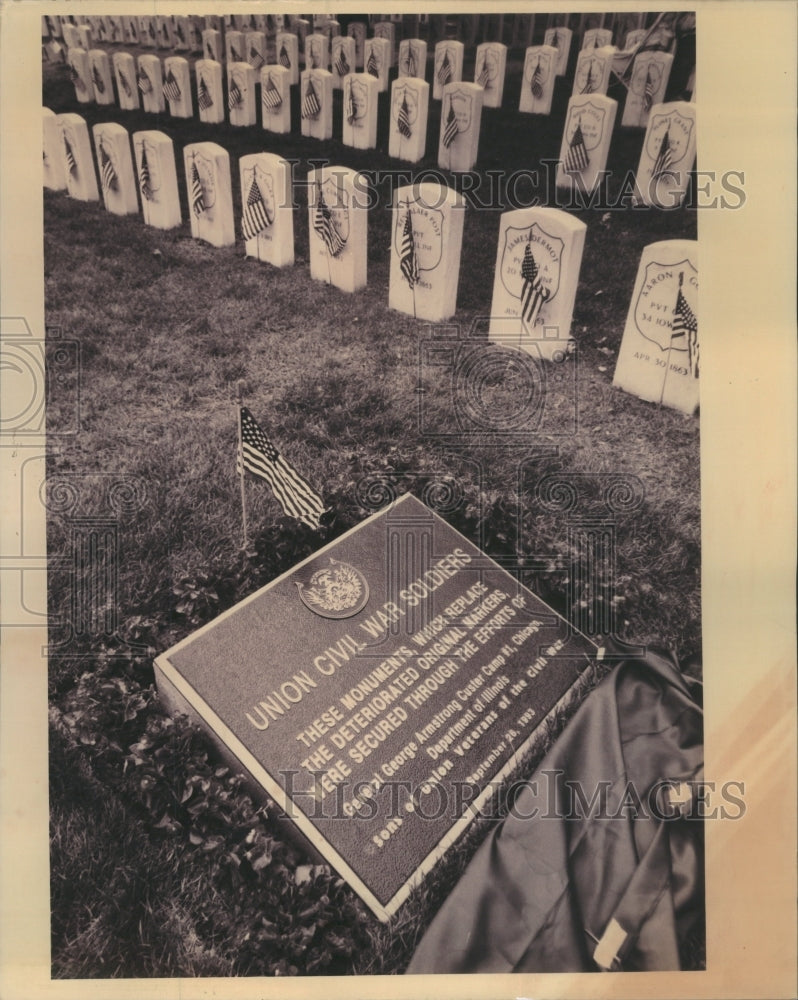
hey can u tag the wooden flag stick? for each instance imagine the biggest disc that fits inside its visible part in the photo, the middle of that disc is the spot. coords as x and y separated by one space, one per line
241 461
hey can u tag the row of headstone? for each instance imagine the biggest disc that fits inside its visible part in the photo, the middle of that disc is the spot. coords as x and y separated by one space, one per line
538 260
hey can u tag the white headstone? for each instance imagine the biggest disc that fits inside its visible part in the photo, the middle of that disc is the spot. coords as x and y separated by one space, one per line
234 47
559 39
115 164
130 29
489 70
302 28
78 162
114 30
668 155
182 33
84 36
126 81
210 95
361 96
596 38
241 94
338 223
586 139
387 29
148 34
150 84
267 217
534 286
461 116
659 356
213 21
71 36
255 45
80 74
165 35
342 60
649 80
195 29
357 30
317 51
407 136
448 66
212 45
53 158
376 60
593 70
275 98
287 53
315 103
177 87
210 193
412 60
157 179
537 84
425 255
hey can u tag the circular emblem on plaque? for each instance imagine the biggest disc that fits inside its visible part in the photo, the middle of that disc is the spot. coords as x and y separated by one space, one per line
335 591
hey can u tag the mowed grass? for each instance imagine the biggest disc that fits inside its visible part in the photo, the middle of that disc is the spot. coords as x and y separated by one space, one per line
160 864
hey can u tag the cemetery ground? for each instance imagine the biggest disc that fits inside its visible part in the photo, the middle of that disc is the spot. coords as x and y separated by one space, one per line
161 864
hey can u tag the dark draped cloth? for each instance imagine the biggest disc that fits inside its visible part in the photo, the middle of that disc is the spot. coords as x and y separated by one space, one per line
599 863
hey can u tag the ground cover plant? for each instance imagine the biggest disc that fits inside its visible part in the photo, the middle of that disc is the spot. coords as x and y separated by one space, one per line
163 863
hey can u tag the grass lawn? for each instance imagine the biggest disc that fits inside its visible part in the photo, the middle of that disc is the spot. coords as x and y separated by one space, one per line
161 863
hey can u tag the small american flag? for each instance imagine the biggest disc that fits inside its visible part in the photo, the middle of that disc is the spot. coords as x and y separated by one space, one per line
535 83
204 98
311 105
98 80
234 56
209 51
196 193
533 292
323 224
234 96
151 30
145 180
144 82
283 58
351 107
403 118
123 80
256 215
450 128
165 31
259 456
72 163
685 324
171 88
589 86
255 58
179 31
108 177
271 98
555 40
341 65
484 76
445 70
410 62
648 92
576 158
76 78
408 261
664 160
133 31
371 64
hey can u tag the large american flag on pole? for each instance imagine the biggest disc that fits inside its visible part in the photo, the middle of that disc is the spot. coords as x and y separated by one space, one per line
259 456
533 292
